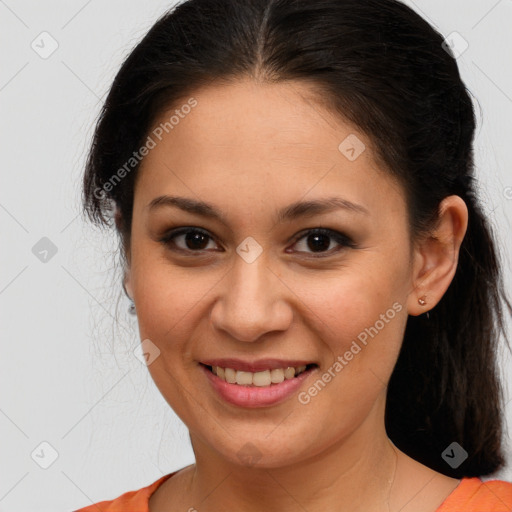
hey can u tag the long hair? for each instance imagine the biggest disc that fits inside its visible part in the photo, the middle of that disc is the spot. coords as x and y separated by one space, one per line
382 67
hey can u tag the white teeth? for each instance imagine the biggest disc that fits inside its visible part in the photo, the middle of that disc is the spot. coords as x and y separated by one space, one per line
289 373
260 379
230 375
243 378
277 376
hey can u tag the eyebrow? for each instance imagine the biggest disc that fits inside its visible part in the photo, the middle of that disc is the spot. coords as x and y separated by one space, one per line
295 210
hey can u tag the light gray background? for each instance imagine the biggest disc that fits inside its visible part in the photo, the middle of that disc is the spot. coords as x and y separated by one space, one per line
68 374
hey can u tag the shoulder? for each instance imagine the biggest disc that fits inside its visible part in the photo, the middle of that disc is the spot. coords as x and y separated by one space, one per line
475 495
134 501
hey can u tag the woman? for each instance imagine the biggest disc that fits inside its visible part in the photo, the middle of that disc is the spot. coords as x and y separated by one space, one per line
358 373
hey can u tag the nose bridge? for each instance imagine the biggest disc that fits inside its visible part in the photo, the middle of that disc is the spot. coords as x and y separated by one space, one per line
252 301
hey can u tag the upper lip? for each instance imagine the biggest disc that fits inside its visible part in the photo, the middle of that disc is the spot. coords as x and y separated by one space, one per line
255 366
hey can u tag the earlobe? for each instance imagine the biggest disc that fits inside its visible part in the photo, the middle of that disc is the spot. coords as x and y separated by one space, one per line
436 256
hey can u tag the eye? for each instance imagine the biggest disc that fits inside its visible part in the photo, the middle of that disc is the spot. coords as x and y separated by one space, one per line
191 239
320 240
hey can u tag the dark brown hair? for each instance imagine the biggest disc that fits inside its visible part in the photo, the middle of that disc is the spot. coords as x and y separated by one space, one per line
382 67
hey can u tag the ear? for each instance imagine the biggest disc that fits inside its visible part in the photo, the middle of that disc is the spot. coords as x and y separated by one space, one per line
127 273
126 249
436 256
127 284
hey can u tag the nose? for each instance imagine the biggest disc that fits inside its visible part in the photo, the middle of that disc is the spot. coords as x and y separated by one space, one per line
252 302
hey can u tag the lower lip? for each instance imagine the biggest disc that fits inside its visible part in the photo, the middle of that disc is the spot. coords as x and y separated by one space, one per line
255 396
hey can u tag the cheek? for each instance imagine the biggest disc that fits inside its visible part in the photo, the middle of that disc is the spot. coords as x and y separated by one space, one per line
169 309
359 313
360 323
168 300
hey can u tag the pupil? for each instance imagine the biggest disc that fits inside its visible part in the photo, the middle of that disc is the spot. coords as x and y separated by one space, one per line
194 240
319 244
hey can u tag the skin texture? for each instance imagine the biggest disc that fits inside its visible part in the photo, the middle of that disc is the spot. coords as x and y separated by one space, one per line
251 149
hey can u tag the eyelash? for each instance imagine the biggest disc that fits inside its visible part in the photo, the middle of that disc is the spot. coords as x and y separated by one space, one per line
168 239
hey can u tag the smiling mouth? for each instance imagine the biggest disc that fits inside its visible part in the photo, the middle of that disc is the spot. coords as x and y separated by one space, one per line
263 378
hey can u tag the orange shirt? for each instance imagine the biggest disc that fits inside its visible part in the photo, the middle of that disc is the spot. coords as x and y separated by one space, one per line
471 495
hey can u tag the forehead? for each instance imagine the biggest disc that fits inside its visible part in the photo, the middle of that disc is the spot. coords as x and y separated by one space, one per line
246 115
262 139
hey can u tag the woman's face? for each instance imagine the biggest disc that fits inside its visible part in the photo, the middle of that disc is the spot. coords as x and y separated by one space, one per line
254 285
